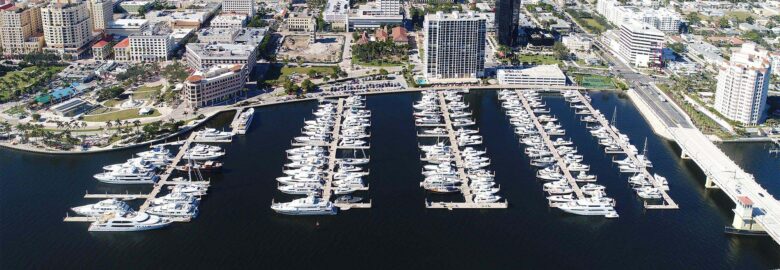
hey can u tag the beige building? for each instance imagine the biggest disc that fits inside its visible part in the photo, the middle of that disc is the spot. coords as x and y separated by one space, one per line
101 50
301 22
67 27
229 20
239 6
102 12
154 43
215 84
205 55
20 30
122 50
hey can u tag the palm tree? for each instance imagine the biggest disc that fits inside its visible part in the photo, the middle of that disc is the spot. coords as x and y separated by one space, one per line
108 124
136 123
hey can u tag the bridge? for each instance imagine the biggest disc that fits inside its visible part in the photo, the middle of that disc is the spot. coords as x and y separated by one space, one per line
756 210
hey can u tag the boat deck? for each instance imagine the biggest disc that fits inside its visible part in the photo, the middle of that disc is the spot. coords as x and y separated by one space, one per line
333 148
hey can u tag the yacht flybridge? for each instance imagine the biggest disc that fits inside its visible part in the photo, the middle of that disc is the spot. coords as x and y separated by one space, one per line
129 222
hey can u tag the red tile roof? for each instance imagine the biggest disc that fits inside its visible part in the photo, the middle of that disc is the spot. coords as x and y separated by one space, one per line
100 44
123 44
399 34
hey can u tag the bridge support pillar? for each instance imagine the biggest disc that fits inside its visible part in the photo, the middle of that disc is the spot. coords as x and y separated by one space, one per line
709 184
743 218
684 155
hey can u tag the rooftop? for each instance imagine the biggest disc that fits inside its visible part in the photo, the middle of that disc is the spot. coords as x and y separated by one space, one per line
220 49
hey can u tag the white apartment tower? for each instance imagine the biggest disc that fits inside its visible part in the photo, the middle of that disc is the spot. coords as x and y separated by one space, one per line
239 6
389 7
454 45
640 44
102 12
743 84
20 30
67 26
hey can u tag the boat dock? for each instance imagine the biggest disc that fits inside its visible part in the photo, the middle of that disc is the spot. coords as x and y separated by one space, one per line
333 148
162 182
332 151
626 149
547 142
464 188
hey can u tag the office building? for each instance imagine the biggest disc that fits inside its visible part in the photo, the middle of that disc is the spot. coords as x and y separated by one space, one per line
454 45
507 20
391 7
743 85
544 75
239 6
229 20
218 83
153 43
640 45
205 55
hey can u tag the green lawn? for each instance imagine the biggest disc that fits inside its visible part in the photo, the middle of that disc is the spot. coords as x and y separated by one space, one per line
23 79
539 59
739 15
275 72
595 81
118 115
113 102
593 24
145 92
376 63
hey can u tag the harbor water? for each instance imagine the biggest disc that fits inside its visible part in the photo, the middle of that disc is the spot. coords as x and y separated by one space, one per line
236 229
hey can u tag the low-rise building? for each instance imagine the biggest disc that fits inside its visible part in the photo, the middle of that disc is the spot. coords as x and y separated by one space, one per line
577 43
248 36
205 55
71 107
126 27
229 20
218 83
101 50
134 6
122 50
547 75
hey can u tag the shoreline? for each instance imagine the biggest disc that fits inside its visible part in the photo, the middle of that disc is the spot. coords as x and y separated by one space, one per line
649 116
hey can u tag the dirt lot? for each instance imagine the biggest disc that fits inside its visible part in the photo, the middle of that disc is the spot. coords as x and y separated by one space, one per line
327 49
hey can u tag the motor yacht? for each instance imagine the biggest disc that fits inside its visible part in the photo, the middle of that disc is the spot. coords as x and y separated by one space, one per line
127 175
192 189
301 188
211 134
649 193
102 207
129 222
589 207
176 197
182 210
310 205
486 198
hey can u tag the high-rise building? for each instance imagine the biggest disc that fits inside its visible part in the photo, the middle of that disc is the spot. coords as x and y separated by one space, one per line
153 43
20 30
743 84
454 45
239 6
102 12
390 7
67 27
640 44
507 21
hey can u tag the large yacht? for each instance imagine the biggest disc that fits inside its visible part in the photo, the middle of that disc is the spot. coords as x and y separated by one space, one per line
244 120
211 134
127 175
590 207
102 207
185 210
199 153
130 222
310 205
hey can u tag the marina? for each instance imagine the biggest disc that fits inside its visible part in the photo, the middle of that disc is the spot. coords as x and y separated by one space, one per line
395 174
648 186
558 161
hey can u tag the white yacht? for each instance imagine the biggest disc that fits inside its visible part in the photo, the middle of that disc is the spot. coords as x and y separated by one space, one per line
184 210
141 163
176 197
589 207
310 205
130 222
244 120
211 134
102 207
195 190
127 175
301 188
203 153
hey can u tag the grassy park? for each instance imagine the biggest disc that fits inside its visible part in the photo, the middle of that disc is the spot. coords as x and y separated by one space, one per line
23 81
118 115
276 72
539 59
146 92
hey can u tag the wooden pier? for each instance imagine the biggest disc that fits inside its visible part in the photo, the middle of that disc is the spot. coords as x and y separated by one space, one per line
668 202
546 138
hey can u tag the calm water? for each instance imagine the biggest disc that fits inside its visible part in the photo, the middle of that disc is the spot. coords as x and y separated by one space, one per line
236 228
